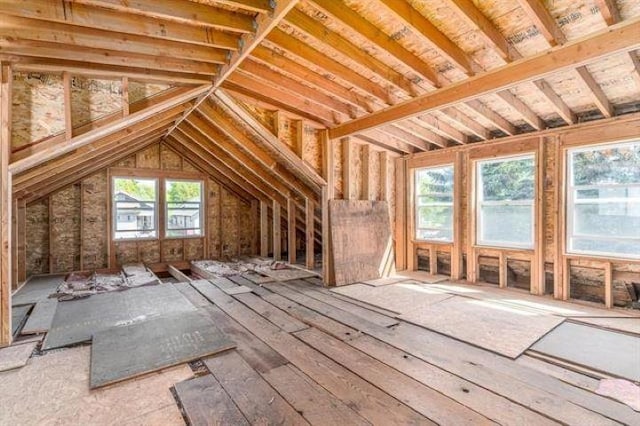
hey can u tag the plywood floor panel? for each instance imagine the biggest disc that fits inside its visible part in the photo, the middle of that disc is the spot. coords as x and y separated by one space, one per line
37 288
41 317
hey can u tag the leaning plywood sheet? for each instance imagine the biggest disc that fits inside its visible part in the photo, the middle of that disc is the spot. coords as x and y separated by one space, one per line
16 356
400 298
120 353
361 241
41 317
614 353
76 321
205 403
18 317
489 324
38 288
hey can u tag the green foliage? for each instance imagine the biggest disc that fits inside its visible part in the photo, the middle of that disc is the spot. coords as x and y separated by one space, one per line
178 191
143 190
607 165
508 180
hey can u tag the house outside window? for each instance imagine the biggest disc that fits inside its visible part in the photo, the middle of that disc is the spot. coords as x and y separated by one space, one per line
134 206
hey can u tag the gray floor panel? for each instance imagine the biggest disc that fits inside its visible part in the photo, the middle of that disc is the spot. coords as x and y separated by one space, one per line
38 288
121 353
602 350
76 321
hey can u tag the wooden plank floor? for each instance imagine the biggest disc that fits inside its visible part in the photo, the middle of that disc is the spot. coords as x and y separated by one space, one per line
305 355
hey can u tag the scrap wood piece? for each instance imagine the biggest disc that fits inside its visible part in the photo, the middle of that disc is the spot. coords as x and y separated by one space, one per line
178 274
16 356
287 274
120 353
238 290
205 402
622 390
41 317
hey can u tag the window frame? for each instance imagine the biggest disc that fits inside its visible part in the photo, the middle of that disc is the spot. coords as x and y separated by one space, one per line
479 202
166 203
114 209
417 206
570 189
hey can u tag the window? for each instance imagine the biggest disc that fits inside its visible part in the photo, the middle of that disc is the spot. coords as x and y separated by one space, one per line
434 203
183 208
603 200
505 202
134 207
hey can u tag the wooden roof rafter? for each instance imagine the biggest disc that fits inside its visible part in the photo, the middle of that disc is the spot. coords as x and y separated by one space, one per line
623 37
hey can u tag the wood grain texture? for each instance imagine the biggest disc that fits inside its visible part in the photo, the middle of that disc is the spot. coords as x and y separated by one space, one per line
205 402
360 239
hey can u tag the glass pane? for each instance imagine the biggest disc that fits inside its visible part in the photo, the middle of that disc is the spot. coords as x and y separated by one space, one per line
508 180
606 246
607 165
607 219
510 225
435 217
129 189
424 200
435 234
184 191
184 205
134 208
436 181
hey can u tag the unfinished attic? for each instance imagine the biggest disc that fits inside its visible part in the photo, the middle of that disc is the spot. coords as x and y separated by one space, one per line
327 212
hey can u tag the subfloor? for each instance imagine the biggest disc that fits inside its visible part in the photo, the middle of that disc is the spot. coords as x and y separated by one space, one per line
383 352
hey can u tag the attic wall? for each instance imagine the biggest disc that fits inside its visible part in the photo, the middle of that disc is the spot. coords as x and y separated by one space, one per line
306 142
68 230
38 107
586 275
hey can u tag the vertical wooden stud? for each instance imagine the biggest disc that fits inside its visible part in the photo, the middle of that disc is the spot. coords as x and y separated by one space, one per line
384 176
433 260
291 230
277 233
472 258
366 172
538 277
6 79
328 193
608 285
68 122
298 147
346 168
401 215
502 269
309 234
21 223
560 273
456 248
125 96
264 229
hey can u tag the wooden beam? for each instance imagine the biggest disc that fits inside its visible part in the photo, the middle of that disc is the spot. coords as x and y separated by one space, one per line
467 122
597 94
291 231
424 134
338 11
440 127
556 101
264 229
332 40
499 121
125 97
385 141
298 167
543 20
264 24
401 182
277 234
111 20
473 17
328 193
366 173
384 176
343 72
32 29
432 36
94 135
196 14
522 109
636 67
621 37
6 79
609 11
310 260
407 137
